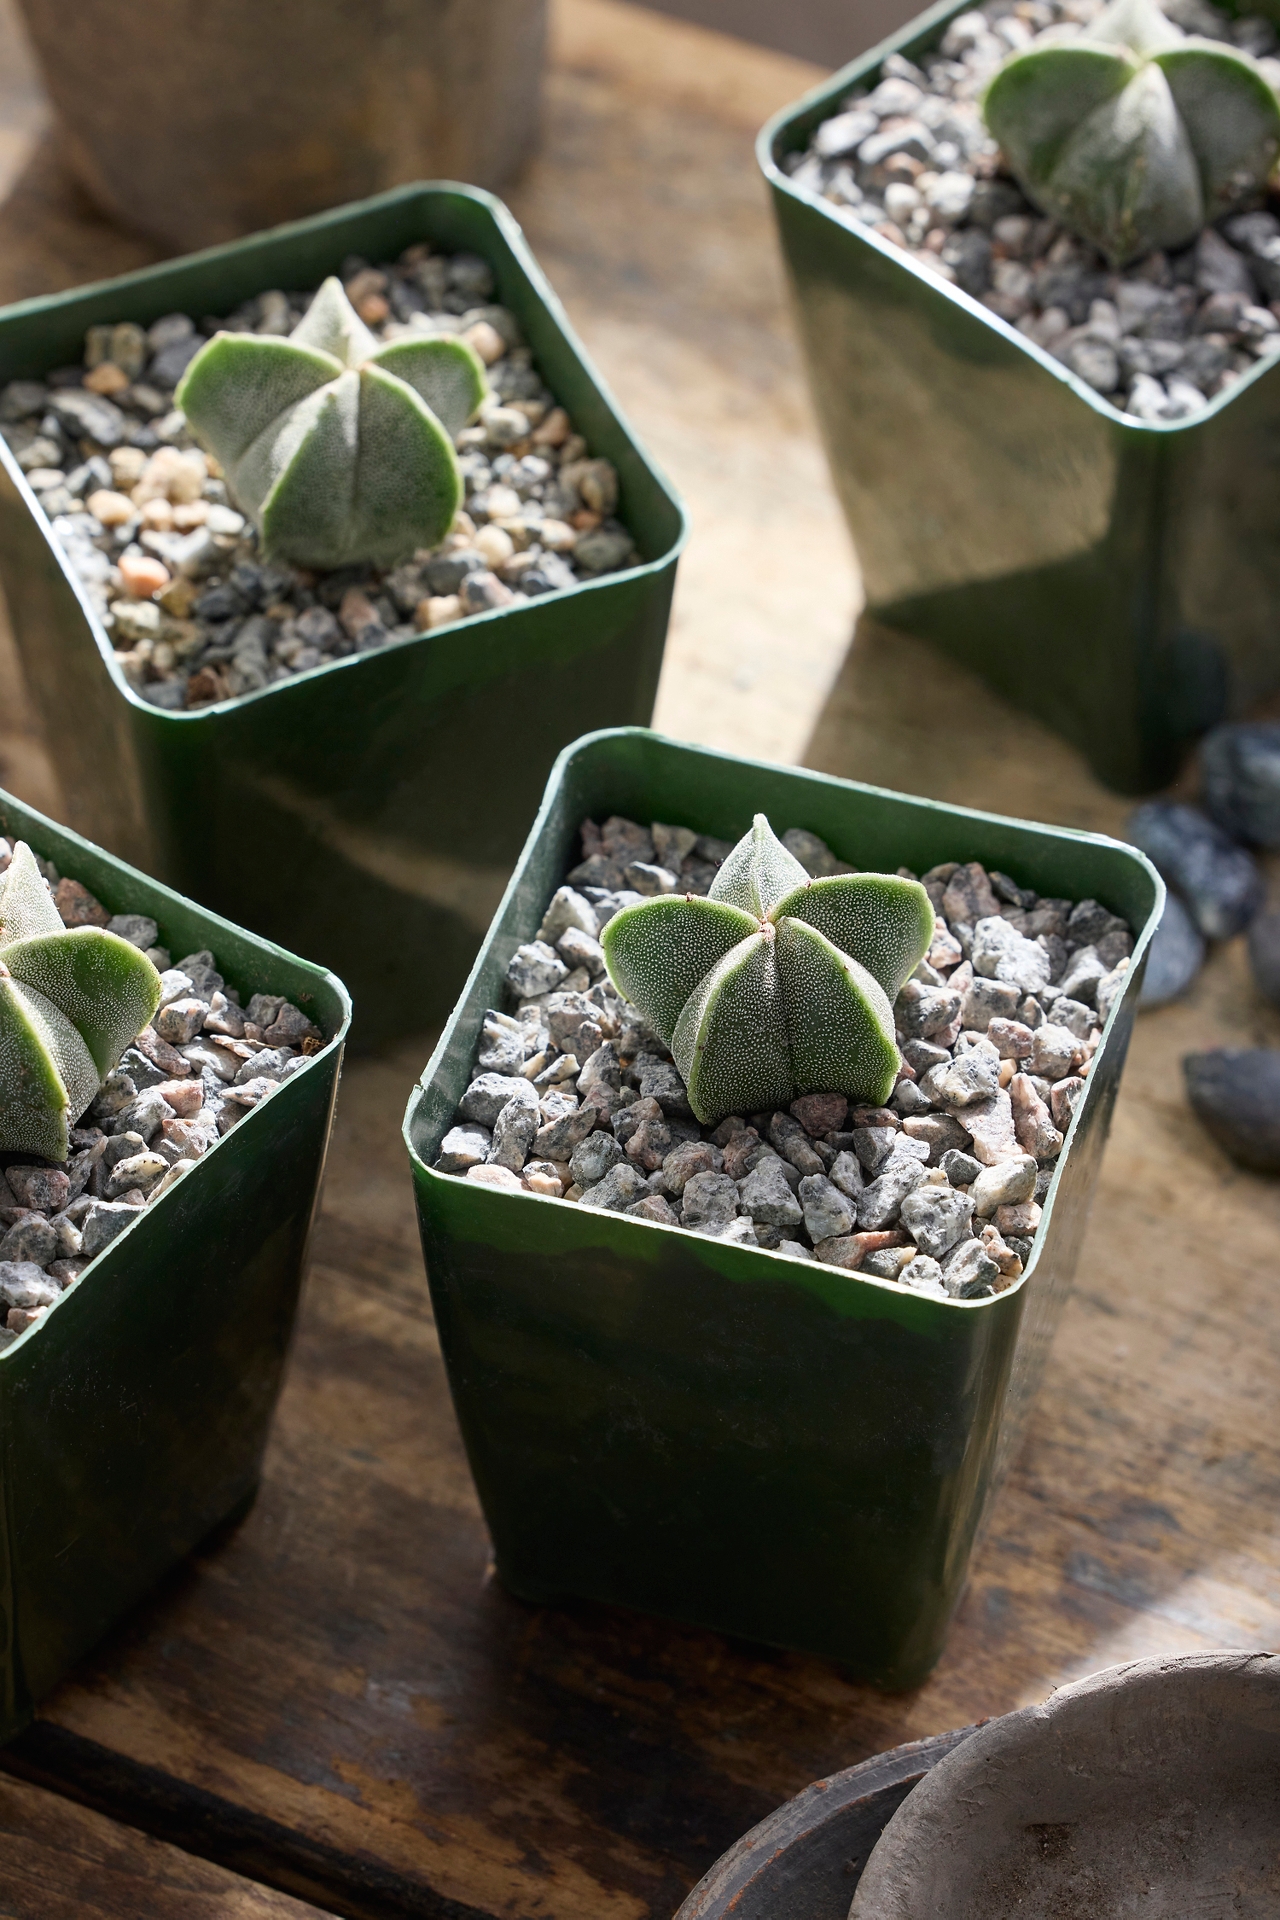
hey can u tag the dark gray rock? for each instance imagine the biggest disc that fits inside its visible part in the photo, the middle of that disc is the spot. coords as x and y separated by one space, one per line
30 1239
1217 878
766 1195
710 1202
936 1218
1241 767
960 1168
620 1187
1235 1092
827 1212
22 1284
593 1158
1176 954
489 1093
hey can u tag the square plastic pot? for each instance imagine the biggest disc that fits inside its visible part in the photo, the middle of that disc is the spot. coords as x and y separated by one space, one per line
1114 577
369 811
134 1414
770 1447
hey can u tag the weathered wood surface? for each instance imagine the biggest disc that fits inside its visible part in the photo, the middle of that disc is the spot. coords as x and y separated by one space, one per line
59 1861
336 1699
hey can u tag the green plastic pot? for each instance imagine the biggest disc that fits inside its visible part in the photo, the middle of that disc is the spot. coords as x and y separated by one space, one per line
370 811
770 1447
134 1415
1118 579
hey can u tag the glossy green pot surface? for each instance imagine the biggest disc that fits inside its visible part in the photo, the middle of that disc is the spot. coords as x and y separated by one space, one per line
134 1415
370 811
1117 579
766 1446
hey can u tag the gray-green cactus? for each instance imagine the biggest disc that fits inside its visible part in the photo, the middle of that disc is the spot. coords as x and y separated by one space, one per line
774 984
71 1000
341 449
1134 134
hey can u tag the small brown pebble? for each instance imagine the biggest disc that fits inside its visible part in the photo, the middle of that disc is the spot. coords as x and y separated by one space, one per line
820 1113
186 1097
205 685
161 1054
738 1151
143 575
42 1189
112 509
1062 1101
179 597
849 1250
652 1207
1011 1040
18 1319
158 515
65 1272
190 1140
77 906
540 1176
554 430
1019 1220
106 378
1032 1123
495 1177
356 612
874 1117
486 340
437 610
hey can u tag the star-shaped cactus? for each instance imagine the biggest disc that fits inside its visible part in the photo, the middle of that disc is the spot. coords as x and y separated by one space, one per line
774 984
71 1000
339 447
1134 134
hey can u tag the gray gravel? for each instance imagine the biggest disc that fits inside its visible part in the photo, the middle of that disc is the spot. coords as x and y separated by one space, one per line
574 1097
188 1078
912 160
174 571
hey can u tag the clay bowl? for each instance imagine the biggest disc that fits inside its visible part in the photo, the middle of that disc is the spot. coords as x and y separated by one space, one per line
1147 1790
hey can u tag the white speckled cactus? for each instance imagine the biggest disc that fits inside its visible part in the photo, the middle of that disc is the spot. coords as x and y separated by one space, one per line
1134 134
71 1000
340 448
775 984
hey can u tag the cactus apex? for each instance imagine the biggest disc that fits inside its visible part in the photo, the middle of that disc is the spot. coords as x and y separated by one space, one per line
1134 134
774 984
71 1000
340 448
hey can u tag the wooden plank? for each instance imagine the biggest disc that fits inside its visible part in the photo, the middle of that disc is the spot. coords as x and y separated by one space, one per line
58 1861
336 1697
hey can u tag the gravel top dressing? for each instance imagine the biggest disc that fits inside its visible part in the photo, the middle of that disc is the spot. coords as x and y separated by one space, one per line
188 1078
574 1097
175 571
912 160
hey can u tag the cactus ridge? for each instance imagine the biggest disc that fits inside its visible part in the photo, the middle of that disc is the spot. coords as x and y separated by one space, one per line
338 446
71 1000
774 984
1135 134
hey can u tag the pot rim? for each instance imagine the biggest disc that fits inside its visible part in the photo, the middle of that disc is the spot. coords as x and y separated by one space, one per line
966 1780
68 844
510 231
813 105
454 1022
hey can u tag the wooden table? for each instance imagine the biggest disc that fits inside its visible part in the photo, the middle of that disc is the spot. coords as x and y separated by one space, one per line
335 1703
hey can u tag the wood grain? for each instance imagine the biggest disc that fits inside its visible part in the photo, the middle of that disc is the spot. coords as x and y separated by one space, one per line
58 1861
336 1698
